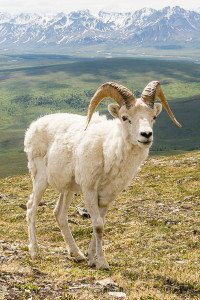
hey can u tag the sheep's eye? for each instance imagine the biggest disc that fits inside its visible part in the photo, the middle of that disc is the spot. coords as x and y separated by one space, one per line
154 117
124 118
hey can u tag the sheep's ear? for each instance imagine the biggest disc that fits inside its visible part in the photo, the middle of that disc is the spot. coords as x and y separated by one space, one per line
158 108
114 110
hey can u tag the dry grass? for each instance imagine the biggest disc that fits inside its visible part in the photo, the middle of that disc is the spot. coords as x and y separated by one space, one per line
151 239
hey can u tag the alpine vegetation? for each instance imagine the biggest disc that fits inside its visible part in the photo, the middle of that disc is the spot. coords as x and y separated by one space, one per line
94 156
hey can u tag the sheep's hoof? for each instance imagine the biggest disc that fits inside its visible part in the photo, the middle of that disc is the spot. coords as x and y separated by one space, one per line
33 251
92 263
79 256
103 266
34 255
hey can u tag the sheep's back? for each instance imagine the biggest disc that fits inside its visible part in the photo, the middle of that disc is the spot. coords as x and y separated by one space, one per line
42 132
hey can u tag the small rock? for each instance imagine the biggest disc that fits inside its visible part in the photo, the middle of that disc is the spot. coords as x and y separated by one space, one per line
118 295
181 261
187 197
47 288
176 163
171 222
23 206
108 285
175 210
105 282
83 212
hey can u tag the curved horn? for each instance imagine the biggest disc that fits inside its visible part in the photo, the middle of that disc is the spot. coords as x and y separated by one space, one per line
118 92
149 94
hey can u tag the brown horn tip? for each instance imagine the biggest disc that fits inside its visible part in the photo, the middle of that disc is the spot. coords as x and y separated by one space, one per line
161 96
177 123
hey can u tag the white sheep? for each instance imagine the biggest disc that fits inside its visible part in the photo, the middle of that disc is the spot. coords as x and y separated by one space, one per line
99 161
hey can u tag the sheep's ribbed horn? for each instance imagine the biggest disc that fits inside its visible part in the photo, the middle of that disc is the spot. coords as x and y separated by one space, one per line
118 92
149 94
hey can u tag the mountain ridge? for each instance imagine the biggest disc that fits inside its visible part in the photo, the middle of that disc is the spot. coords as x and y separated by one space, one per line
145 27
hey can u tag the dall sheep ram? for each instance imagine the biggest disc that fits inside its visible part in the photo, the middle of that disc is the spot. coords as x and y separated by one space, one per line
99 161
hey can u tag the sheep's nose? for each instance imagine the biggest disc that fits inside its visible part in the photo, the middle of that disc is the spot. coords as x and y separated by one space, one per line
146 134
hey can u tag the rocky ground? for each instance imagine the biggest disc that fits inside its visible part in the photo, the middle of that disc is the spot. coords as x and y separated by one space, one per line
151 240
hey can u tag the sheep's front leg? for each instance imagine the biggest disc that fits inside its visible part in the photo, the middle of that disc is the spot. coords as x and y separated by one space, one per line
92 246
60 213
98 226
92 251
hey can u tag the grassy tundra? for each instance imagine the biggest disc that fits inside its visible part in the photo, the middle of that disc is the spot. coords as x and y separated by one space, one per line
151 240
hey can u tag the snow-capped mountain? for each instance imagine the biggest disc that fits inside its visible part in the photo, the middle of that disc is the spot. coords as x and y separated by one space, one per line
145 27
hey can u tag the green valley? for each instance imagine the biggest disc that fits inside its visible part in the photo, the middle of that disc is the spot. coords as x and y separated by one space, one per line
32 85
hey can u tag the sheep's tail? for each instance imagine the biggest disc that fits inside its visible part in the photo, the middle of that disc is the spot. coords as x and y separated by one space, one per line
35 146
31 166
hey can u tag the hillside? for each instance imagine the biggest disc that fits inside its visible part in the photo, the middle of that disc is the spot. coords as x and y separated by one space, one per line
151 240
34 85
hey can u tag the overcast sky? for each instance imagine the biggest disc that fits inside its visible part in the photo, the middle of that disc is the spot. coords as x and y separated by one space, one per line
53 6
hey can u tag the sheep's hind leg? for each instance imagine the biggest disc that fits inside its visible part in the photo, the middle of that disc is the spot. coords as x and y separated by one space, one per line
60 213
39 187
